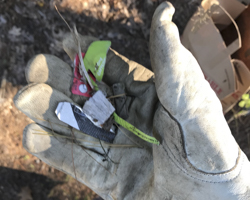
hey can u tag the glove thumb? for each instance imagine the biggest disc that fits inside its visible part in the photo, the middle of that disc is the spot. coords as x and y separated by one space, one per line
187 97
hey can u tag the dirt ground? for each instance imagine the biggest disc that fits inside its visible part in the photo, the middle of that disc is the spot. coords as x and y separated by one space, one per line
23 176
29 27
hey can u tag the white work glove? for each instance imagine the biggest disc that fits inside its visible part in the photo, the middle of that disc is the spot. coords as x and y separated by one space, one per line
197 159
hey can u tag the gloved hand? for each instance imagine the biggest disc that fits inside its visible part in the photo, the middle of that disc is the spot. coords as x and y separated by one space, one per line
197 157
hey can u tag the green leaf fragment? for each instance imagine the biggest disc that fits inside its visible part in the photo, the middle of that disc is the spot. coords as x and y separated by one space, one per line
242 104
247 104
245 96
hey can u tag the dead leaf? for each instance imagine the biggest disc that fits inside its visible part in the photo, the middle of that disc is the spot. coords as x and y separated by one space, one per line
2 20
14 31
25 194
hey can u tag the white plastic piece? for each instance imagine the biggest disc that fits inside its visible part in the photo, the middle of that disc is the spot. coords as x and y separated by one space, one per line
65 114
98 109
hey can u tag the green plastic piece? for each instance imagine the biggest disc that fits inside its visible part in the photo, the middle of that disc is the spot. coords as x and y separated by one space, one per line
95 59
134 130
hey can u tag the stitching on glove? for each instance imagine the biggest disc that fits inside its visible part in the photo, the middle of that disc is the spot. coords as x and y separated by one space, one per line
186 158
226 173
215 175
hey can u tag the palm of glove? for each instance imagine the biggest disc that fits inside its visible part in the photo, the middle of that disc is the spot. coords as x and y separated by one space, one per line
192 155
50 79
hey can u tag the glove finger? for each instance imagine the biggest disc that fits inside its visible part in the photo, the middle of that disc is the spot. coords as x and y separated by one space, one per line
39 102
69 158
183 91
49 69
70 45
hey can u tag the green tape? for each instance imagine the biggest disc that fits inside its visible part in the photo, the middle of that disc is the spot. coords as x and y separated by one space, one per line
134 130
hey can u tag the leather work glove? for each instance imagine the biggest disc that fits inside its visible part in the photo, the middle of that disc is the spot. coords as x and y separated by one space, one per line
197 158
